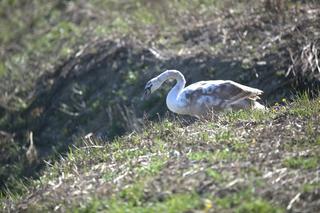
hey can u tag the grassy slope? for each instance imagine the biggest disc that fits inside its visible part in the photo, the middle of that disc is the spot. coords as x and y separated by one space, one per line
232 160
36 36
242 161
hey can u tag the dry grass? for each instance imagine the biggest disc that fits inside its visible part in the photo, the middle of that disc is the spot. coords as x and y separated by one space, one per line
307 64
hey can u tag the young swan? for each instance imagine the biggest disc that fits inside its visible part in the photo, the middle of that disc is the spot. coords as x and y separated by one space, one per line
200 98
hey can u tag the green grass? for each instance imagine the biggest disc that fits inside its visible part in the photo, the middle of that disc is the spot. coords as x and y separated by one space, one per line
215 156
306 107
133 194
175 203
153 167
258 206
302 162
131 199
109 176
235 199
215 175
246 201
252 115
311 187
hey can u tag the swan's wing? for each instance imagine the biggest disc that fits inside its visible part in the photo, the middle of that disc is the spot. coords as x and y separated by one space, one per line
219 93
234 91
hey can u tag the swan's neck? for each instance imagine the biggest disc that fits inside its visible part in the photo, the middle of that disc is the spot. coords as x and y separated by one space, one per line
173 101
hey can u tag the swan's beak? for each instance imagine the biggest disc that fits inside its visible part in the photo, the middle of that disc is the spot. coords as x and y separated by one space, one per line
147 92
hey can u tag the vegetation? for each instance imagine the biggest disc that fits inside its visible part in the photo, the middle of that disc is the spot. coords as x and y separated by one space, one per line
71 77
246 161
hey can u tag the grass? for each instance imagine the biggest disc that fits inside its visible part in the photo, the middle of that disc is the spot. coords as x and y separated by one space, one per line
176 203
310 187
215 175
153 167
246 201
307 107
48 35
174 167
302 162
219 155
258 206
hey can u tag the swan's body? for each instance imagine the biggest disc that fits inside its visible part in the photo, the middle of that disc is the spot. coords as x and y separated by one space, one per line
200 98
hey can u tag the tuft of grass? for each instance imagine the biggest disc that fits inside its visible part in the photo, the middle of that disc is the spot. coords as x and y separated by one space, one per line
91 207
258 206
154 166
301 162
246 201
133 194
235 199
109 176
306 107
215 175
219 155
248 115
175 203
310 187
224 136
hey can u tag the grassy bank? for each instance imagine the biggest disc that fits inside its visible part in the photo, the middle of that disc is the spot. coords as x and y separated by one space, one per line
247 161
69 68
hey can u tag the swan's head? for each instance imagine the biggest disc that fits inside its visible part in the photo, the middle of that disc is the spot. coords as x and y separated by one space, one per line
151 86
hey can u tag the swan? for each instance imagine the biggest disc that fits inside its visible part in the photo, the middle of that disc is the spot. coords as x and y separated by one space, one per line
203 97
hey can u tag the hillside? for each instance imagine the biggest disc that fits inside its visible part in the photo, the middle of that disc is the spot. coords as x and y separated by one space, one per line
74 69
243 162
